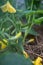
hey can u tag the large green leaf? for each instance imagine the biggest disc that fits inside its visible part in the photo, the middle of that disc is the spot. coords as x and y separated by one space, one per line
14 59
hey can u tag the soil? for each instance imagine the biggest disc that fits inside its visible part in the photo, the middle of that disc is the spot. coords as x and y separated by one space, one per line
35 49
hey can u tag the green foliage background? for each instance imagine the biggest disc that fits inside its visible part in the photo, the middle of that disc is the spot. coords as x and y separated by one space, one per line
28 14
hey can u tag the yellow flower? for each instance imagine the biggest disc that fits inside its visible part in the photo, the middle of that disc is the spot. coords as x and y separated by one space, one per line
5 40
4 8
37 61
25 54
31 40
3 45
8 8
18 35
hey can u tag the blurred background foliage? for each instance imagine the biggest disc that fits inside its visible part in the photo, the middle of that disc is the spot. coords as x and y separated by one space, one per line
28 13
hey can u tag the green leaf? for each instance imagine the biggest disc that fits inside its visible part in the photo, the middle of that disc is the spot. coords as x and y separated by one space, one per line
29 12
11 58
31 31
39 20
